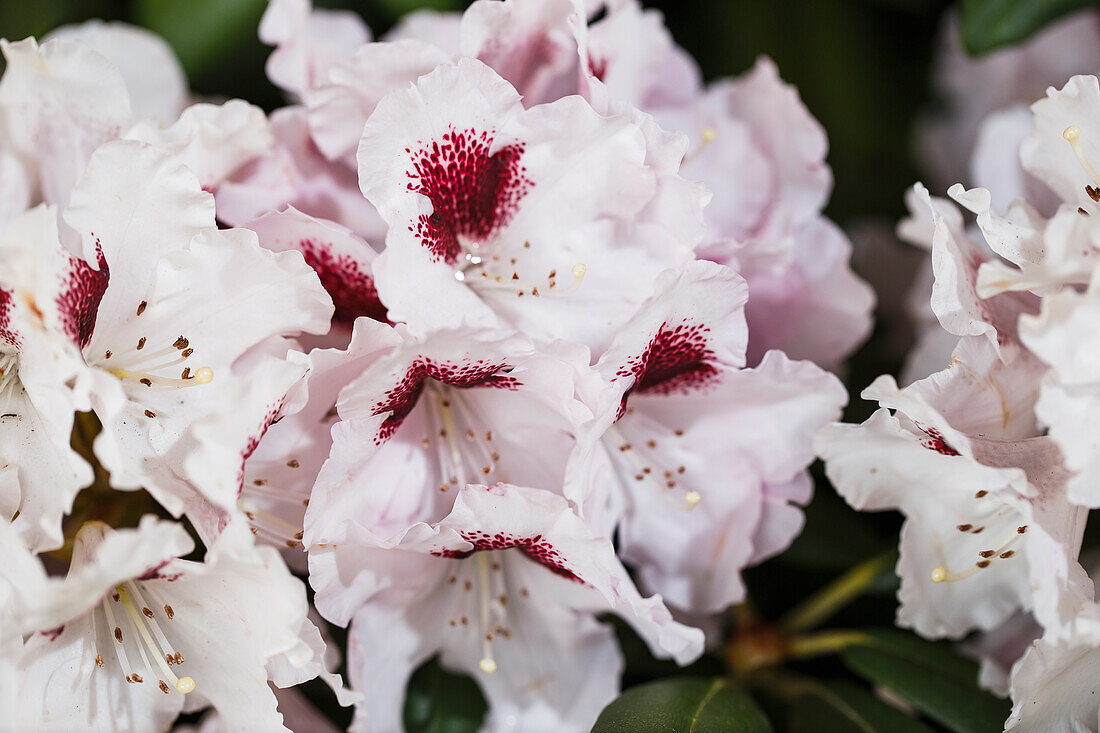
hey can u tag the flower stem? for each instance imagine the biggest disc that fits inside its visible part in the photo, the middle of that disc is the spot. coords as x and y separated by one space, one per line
827 642
836 595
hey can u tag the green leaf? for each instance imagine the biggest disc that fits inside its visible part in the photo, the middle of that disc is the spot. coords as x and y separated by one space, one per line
683 705
987 24
930 677
438 701
844 707
201 32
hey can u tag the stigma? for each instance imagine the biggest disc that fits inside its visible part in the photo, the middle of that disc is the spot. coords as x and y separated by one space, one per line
1072 135
706 137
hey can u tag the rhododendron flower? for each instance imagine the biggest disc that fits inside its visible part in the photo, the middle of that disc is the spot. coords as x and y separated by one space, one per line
41 473
295 174
763 155
497 212
436 414
343 261
988 527
134 635
151 323
682 424
307 41
289 446
504 587
976 89
1054 684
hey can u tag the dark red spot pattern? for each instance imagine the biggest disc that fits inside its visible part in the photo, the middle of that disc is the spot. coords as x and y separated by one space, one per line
400 400
156 573
81 290
346 279
270 418
537 548
598 66
7 332
473 194
677 360
52 634
935 441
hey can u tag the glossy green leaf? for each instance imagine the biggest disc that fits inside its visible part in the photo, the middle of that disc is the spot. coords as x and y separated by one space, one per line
438 701
683 705
987 24
930 677
202 32
844 707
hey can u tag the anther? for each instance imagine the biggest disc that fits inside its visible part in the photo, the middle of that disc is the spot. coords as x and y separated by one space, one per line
141 307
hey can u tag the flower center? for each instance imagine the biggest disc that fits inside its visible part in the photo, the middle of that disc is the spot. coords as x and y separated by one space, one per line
640 460
144 365
488 273
986 557
1072 134
464 449
482 603
267 524
148 637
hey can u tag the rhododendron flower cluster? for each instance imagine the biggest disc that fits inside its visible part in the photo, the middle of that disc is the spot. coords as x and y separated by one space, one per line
993 459
505 323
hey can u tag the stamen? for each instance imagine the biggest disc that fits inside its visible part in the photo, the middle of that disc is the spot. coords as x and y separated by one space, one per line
183 684
1072 134
123 659
941 574
706 137
512 282
202 375
642 472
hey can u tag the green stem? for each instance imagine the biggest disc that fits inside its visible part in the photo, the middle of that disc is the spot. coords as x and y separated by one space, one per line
836 595
827 642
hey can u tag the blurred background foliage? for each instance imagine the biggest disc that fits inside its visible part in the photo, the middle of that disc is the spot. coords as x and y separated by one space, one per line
863 69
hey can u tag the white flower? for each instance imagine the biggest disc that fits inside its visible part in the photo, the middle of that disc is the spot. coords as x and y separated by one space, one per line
692 456
988 526
496 212
132 635
153 75
40 474
505 587
164 318
307 41
1054 685
438 413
